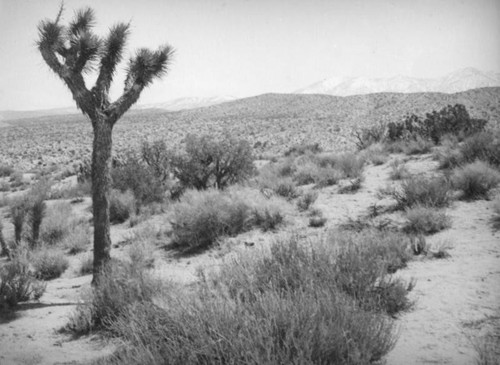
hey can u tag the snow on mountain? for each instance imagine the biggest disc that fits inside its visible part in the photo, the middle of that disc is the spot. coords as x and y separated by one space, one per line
187 103
462 80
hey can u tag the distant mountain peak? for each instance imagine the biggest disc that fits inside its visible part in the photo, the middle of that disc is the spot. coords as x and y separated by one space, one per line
457 81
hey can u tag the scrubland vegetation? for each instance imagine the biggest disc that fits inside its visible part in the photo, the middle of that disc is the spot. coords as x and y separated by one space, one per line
320 298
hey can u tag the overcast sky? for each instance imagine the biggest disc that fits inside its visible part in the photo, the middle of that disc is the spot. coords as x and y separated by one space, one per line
249 47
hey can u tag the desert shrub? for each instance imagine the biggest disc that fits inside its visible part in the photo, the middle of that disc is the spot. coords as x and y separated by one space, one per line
423 191
365 137
142 252
418 146
282 308
282 186
137 177
306 200
18 211
16 179
317 221
5 170
37 207
121 206
121 284
57 223
484 146
302 149
398 170
200 218
17 284
86 265
78 240
157 156
350 164
376 153
451 120
422 220
209 162
475 180
448 154
306 174
267 219
48 263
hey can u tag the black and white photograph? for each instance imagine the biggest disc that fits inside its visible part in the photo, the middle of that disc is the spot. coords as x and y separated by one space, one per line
249 182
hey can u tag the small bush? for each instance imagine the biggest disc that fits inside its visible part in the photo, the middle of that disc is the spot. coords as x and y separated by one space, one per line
6 170
350 164
483 146
306 200
303 149
421 220
121 206
399 170
78 240
200 218
423 191
317 221
121 284
139 178
267 219
376 154
142 252
475 180
496 212
86 264
17 284
57 223
213 162
370 135
48 263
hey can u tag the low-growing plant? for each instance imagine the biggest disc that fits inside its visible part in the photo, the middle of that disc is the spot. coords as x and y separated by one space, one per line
475 180
142 252
57 223
267 219
86 265
6 170
399 170
78 240
483 146
422 220
307 199
121 206
423 191
17 284
48 263
121 285
317 221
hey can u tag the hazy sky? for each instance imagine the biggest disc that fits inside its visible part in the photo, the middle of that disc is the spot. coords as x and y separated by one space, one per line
249 47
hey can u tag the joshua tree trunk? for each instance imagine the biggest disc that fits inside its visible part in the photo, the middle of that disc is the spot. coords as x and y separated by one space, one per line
101 183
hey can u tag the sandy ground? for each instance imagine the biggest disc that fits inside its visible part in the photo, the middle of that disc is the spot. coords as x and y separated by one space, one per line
457 299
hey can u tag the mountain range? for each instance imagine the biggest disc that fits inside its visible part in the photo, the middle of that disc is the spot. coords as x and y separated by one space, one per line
461 80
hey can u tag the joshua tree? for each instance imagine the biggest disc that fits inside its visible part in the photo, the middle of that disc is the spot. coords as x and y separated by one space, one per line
73 50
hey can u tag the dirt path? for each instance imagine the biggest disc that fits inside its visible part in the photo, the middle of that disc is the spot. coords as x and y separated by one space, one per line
32 337
457 300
